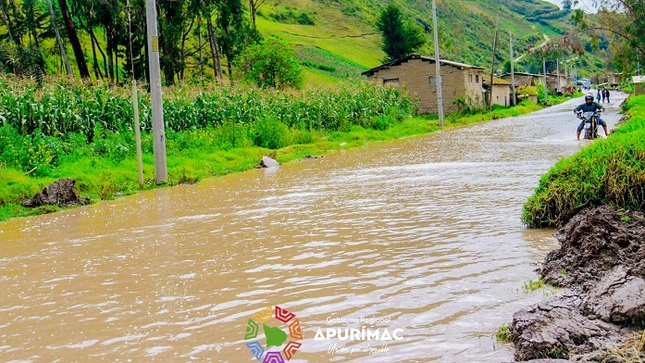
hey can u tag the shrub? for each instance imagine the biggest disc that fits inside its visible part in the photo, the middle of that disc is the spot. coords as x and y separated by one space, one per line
271 134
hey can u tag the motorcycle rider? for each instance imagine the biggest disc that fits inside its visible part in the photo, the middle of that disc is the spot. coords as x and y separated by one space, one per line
589 106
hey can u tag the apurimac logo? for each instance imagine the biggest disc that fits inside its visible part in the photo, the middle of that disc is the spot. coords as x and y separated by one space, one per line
275 336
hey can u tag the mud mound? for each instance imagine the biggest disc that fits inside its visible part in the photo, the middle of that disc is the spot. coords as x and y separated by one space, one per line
601 262
594 242
556 328
61 193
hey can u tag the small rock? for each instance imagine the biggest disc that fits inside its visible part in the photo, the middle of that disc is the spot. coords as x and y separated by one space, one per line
268 162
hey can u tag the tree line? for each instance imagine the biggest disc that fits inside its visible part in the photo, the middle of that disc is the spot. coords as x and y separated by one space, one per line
202 37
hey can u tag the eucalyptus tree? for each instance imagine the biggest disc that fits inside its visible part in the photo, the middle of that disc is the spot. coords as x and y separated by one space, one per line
24 23
625 21
74 40
173 19
254 5
35 23
235 32
108 16
59 40
10 15
207 10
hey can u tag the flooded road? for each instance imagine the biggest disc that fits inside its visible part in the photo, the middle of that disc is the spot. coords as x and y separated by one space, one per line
416 240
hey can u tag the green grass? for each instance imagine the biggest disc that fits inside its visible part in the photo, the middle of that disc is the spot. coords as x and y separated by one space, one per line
503 334
609 171
534 285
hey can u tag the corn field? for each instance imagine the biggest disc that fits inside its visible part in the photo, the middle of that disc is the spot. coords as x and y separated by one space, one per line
59 110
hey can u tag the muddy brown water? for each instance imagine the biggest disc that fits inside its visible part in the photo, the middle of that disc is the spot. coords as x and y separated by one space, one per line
418 237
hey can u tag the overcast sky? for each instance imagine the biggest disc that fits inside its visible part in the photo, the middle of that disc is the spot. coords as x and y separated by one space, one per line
586 5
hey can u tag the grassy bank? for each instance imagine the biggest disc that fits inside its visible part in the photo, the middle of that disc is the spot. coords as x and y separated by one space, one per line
87 134
609 171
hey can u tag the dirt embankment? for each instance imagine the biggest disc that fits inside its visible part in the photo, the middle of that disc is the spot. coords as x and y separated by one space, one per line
601 266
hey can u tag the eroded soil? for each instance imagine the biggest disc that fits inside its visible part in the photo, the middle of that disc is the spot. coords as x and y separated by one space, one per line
601 266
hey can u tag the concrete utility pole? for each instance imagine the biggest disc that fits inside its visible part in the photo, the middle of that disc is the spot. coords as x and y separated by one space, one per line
513 90
557 63
159 144
135 101
492 69
437 64
546 92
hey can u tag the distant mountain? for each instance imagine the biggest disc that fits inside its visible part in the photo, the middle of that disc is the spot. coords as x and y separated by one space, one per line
338 39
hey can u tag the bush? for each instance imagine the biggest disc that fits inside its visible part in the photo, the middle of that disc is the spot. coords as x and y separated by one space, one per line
271 134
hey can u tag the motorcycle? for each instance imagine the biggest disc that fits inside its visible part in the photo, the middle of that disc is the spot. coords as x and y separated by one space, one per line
590 124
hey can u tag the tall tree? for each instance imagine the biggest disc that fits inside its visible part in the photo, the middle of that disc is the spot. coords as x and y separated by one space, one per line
399 39
254 5
35 22
235 31
215 52
12 32
59 40
173 21
624 20
73 39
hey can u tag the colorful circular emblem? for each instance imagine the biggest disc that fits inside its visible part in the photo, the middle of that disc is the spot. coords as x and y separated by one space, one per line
275 336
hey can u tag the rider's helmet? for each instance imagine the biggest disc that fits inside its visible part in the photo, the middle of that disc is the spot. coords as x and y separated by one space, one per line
588 98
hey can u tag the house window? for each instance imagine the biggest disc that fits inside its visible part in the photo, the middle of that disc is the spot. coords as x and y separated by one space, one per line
470 78
433 80
391 82
477 78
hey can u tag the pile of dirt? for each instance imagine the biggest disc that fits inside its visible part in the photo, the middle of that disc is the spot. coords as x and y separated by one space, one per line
594 242
61 193
601 265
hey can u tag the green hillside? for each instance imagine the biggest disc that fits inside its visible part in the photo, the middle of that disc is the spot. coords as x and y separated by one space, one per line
338 38
334 39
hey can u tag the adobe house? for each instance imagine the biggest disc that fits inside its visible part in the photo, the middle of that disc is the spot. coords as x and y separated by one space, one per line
501 90
554 81
523 79
417 75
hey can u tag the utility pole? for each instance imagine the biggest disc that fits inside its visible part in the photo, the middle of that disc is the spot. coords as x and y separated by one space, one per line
492 69
546 92
159 143
135 101
437 64
513 91
557 63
